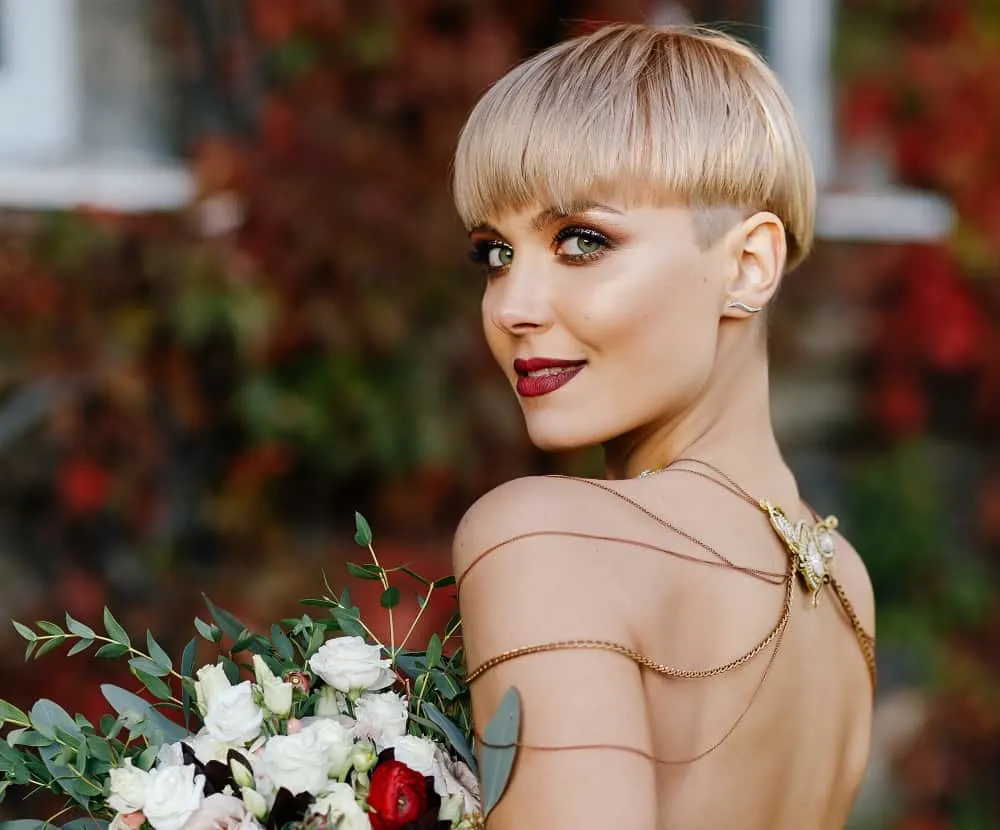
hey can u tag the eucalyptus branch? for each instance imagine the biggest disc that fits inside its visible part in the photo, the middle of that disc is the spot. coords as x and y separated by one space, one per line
384 579
451 631
97 638
416 619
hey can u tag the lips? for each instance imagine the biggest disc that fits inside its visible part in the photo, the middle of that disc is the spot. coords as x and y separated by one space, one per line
540 375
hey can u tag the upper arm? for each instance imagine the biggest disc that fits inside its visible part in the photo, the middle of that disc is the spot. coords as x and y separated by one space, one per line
547 589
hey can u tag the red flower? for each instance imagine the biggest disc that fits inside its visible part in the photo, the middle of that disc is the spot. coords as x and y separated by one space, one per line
398 796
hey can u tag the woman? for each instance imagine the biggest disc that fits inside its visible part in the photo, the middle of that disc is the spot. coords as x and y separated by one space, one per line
684 657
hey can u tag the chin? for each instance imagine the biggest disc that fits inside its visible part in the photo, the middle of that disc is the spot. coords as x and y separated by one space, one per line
561 434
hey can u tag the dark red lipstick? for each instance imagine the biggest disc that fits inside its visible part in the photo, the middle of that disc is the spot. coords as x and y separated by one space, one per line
541 375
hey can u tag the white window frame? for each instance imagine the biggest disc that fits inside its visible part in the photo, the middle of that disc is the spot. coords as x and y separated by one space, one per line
39 95
42 165
800 37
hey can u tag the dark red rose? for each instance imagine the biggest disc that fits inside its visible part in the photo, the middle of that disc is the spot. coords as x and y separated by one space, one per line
398 796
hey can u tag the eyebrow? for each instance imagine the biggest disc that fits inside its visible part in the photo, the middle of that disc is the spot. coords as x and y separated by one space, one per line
552 214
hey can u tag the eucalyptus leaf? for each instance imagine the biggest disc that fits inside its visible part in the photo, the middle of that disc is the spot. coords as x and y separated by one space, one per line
142 713
445 684
25 632
155 685
363 531
48 645
85 824
434 650
148 667
453 734
209 632
390 597
231 669
157 653
364 571
27 737
282 644
114 628
410 664
78 646
349 623
188 657
499 748
50 627
62 774
11 714
111 650
78 628
47 717
316 638
229 624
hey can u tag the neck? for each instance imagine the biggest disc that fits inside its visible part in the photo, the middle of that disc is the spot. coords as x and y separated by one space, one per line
729 426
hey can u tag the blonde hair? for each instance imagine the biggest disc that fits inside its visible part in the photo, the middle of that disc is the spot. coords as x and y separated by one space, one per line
649 114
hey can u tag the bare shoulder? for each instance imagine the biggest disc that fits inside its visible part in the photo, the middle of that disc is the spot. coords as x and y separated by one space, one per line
545 588
549 507
534 544
853 576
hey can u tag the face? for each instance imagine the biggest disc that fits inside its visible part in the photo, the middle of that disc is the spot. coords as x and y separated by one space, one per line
605 320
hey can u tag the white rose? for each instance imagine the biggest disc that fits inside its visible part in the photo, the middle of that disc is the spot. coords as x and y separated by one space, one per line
456 784
306 760
382 717
340 808
210 681
349 664
129 788
232 716
277 694
175 793
217 812
417 753
170 755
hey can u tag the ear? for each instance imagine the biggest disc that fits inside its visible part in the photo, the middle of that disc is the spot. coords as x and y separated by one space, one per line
760 248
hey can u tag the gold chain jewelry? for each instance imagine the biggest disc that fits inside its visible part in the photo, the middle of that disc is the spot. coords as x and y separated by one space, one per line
812 548
643 660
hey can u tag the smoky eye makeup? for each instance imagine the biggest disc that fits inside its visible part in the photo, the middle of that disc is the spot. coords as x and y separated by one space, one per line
578 243
491 254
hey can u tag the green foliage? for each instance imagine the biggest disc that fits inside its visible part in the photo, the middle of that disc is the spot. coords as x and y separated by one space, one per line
47 749
499 749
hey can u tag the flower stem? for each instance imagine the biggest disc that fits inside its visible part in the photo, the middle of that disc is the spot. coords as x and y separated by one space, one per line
384 578
416 619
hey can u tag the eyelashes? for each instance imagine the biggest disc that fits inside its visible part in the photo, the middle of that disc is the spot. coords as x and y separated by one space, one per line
573 245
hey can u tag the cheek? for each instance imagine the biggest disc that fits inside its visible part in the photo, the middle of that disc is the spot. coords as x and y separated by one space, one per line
494 337
651 318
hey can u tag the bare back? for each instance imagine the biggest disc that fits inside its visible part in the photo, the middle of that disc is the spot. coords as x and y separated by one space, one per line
728 750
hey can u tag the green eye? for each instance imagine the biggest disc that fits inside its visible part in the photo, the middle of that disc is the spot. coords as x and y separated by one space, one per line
500 256
493 255
576 243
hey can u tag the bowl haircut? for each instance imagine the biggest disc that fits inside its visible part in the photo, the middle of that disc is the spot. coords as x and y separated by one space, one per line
647 116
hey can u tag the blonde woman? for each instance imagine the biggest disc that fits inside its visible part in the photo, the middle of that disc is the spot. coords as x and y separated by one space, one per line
690 641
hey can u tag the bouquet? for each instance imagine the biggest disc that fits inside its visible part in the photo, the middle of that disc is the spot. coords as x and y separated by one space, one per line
317 725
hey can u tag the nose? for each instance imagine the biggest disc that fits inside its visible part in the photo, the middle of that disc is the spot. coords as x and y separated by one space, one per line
518 302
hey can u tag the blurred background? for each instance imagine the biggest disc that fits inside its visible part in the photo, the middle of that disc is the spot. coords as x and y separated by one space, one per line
235 308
